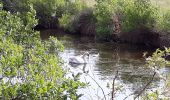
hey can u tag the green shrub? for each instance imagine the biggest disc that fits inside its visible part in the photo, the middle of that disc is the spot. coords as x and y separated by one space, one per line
139 14
66 21
16 5
163 23
30 68
126 15
49 12
1 6
158 60
71 13
104 11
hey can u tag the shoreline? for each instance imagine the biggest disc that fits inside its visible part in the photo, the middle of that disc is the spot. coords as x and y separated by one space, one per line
150 40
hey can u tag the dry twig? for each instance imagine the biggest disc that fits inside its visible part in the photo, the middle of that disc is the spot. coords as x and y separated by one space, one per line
113 85
140 92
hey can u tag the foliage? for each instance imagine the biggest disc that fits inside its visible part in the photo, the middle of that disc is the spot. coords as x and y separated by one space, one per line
65 21
71 14
155 62
157 59
103 13
31 68
1 6
48 12
21 6
129 15
163 24
56 13
139 14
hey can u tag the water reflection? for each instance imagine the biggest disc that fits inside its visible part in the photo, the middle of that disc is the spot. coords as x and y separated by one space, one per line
105 59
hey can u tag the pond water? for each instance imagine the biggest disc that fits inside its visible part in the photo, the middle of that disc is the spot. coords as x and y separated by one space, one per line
104 61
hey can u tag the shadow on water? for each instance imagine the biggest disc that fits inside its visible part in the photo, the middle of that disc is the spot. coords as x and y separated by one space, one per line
105 59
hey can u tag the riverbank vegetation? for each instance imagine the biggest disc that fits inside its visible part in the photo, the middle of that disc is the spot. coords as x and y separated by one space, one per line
144 22
31 68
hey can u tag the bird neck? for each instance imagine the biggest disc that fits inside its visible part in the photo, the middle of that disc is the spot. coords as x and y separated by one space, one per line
84 58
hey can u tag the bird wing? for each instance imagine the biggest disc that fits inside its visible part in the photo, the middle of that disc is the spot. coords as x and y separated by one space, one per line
76 60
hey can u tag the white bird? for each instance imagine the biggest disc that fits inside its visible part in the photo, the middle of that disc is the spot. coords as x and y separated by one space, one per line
79 59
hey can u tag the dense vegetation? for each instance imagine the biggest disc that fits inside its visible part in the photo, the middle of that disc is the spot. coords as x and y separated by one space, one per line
106 17
31 68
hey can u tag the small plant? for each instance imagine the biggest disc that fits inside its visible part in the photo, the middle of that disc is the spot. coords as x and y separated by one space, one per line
155 62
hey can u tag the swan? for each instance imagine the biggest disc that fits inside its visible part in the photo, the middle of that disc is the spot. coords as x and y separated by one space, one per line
79 59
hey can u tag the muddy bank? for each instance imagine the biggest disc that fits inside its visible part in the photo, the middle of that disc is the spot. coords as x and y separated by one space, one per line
141 36
145 37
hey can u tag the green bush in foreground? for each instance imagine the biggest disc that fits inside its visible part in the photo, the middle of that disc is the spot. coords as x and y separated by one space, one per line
158 60
30 68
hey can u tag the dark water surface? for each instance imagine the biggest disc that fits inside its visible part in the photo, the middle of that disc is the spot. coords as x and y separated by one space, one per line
105 60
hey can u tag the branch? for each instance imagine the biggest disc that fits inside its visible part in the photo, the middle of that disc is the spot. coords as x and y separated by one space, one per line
113 85
140 92
98 85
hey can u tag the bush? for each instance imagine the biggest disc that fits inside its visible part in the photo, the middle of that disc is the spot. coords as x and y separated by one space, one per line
115 16
66 21
16 5
71 13
139 14
158 60
163 23
104 11
1 6
30 68
49 12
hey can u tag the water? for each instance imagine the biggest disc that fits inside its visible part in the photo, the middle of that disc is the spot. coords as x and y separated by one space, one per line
104 61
